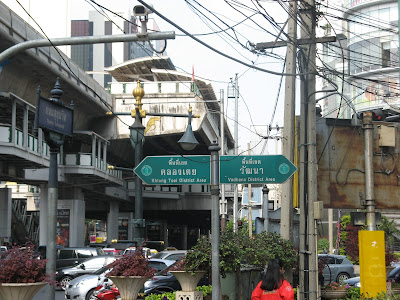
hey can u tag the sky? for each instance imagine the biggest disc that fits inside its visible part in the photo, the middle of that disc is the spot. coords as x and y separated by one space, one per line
258 90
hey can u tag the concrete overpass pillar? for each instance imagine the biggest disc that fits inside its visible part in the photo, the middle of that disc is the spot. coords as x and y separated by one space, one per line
112 221
77 234
43 215
5 212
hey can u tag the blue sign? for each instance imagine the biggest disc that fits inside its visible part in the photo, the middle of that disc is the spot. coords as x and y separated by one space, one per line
54 116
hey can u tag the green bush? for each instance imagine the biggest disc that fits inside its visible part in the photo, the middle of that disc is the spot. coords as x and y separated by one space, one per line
323 244
164 296
206 289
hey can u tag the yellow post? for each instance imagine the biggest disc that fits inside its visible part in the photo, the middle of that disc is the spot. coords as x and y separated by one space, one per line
372 262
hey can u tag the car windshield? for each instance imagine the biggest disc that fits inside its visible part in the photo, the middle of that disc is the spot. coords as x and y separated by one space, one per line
165 271
159 255
101 270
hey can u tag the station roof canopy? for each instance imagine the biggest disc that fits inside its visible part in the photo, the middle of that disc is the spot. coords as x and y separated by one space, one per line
157 68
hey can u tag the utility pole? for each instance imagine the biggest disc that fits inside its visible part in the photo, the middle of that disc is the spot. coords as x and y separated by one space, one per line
286 228
236 152
223 202
308 159
249 196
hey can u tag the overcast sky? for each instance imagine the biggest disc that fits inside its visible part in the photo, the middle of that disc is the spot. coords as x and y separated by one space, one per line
258 90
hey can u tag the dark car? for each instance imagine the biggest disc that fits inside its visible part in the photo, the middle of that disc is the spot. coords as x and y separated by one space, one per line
66 274
337 268
164 281
393 276
68 257
73 256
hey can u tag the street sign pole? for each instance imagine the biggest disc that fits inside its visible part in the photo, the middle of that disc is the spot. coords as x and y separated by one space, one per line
215 222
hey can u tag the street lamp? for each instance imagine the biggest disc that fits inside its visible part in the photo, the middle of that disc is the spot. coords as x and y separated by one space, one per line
187 142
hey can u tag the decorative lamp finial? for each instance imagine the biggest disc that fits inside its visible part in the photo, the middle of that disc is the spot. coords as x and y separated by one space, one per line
138 93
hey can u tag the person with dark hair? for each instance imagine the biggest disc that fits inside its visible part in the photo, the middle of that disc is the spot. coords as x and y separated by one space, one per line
273 286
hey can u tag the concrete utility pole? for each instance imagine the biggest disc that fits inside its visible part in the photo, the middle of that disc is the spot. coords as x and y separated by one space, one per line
309 160
236 152
289 120
265 208
250 196
223 202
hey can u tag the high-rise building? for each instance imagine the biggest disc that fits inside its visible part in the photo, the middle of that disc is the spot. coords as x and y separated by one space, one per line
95 58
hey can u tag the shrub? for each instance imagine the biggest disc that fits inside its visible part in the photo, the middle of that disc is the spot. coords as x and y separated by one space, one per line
22 265
323 244
134 264
164 296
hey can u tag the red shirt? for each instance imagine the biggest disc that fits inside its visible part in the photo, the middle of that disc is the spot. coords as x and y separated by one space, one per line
285 291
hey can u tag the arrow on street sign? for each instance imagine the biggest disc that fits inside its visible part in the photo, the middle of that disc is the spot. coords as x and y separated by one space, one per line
255 169
163 170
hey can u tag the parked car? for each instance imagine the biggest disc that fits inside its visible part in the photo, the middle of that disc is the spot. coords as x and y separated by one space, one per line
3 250
112 251
164 281
83 286
71 256
394 275
66 274
171 254
131 250
337 268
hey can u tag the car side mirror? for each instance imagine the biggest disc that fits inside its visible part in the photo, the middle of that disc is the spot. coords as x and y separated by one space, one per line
83 267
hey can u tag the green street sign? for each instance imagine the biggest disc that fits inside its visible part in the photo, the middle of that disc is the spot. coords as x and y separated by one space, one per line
255 169
162 170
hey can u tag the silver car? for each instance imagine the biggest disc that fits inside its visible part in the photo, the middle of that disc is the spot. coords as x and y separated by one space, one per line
82 287
337 268
170 254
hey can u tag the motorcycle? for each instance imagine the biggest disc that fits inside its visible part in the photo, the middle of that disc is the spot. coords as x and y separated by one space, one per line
105 291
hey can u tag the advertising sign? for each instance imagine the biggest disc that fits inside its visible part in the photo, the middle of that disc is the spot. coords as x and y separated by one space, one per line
63 227
123 229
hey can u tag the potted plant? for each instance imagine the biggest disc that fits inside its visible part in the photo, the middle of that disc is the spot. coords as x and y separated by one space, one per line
187 276
334 290
22 273
129 273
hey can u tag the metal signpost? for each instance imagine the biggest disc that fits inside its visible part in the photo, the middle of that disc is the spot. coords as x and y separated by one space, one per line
167 170
255 169
56 120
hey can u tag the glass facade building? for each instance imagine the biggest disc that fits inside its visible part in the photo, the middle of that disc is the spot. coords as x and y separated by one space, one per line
368 57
